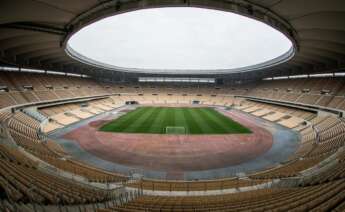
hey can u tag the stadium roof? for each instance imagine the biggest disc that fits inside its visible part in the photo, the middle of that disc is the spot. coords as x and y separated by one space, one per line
33 34
180 40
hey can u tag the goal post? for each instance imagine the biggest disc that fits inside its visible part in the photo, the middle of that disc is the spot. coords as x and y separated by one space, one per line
175 130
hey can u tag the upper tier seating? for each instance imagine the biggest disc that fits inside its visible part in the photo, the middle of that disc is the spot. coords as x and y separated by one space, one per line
33 87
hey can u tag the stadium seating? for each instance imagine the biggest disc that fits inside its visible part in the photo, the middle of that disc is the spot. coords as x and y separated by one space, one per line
47 87
25 132
310 198
195 185
322 136
24 182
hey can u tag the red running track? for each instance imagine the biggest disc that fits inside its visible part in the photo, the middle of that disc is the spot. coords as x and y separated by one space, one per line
175 153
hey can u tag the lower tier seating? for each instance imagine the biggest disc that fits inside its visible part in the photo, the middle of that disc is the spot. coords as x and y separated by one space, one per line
323 197
23 182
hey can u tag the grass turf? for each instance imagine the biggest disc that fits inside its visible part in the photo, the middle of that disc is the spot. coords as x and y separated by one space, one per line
154 120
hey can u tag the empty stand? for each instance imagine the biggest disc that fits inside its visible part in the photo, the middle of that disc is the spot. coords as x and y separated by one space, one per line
322 136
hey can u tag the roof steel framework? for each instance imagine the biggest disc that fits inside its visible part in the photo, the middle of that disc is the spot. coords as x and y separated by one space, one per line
33 34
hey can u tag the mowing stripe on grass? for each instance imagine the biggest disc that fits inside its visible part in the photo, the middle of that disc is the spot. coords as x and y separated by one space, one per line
130 122
169 118
156 119
227 122
157 124
180 119
123 121
139 125
201 121
211 122
192 124
220 125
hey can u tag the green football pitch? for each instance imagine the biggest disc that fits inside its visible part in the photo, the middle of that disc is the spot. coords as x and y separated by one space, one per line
171 120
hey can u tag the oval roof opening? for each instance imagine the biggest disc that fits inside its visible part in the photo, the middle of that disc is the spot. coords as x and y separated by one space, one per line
180 41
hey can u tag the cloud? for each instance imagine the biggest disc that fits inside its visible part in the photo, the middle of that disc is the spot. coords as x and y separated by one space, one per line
180 38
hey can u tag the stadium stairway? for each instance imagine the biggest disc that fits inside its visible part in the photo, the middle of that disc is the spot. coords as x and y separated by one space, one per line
33 112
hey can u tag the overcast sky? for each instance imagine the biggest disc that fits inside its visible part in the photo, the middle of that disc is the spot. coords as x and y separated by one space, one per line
180 38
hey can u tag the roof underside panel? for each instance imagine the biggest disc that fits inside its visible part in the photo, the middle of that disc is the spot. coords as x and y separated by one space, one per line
33 33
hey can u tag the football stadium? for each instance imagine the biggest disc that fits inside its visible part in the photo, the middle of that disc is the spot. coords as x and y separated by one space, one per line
172 105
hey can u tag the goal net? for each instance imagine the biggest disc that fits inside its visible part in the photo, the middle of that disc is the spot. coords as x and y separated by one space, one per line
175 130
